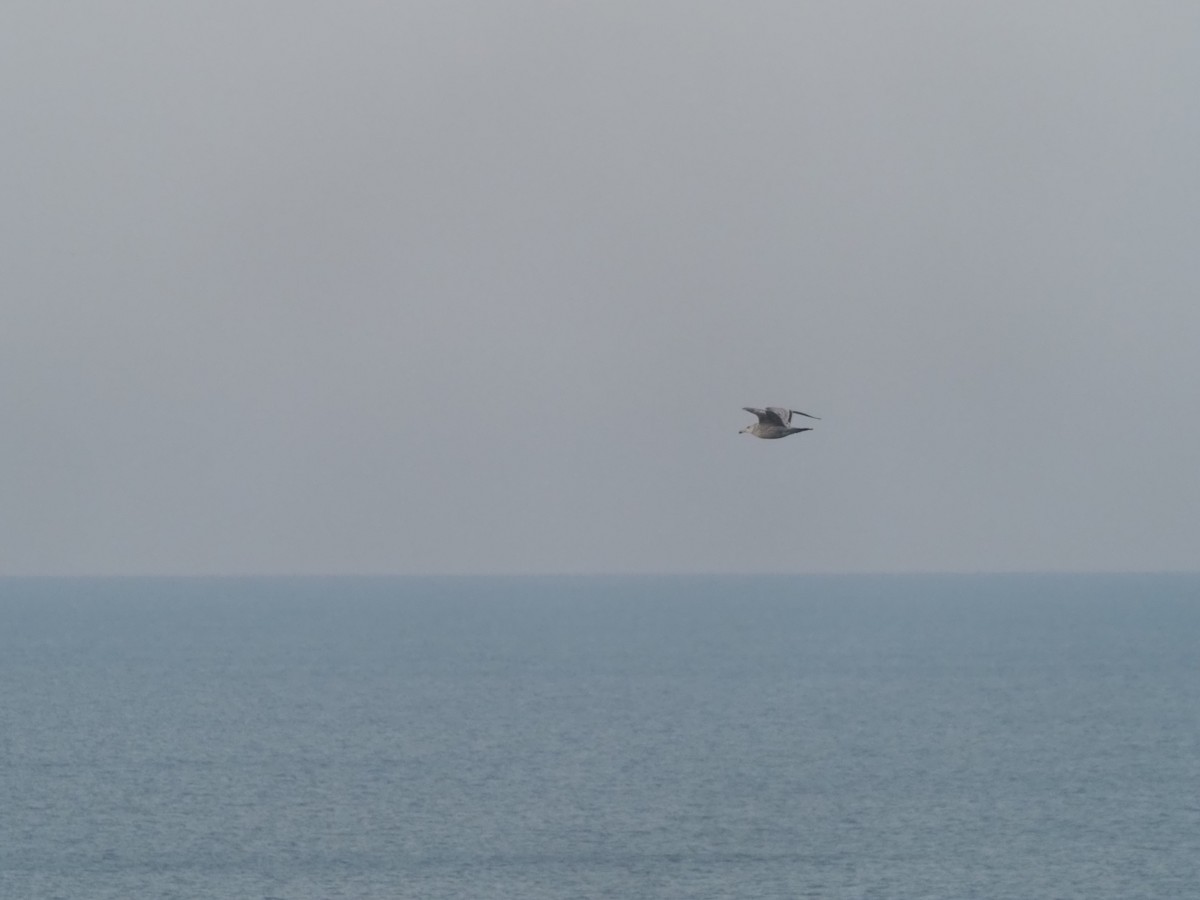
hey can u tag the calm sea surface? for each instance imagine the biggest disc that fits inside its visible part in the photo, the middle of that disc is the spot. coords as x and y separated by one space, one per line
773 737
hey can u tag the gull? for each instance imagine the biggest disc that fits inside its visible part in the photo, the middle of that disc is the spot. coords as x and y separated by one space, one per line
774 422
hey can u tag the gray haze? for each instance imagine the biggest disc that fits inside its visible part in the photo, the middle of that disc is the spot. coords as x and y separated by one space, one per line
482 287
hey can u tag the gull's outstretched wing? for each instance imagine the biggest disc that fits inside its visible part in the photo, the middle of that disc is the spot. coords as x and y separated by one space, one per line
779 415
771 415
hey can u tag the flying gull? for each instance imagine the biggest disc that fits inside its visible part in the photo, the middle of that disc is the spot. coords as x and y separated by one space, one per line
774 422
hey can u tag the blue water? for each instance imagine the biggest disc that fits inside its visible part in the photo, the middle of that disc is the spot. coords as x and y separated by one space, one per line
825 737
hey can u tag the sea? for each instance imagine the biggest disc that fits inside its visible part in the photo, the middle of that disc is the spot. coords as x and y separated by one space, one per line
900 736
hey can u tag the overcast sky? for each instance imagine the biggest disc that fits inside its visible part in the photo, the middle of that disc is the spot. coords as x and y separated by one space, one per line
481 287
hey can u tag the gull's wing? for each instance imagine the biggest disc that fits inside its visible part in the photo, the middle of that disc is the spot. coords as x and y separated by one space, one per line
797 412
769 416
779 415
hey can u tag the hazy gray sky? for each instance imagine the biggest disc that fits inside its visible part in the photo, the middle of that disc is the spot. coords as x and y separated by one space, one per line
483 286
